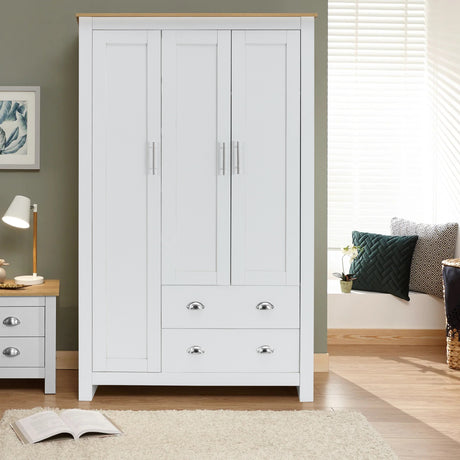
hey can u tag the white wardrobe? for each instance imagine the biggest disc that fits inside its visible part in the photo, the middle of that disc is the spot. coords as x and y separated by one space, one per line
196 203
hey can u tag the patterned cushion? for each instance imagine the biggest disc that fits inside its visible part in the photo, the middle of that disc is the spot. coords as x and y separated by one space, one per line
383 265
435 243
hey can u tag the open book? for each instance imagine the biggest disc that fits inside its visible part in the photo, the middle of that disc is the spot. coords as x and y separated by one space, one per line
75 422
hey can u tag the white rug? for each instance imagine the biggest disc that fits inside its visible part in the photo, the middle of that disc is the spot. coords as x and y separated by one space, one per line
211 435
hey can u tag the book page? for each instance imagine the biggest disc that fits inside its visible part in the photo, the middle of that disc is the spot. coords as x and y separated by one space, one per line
86 421
41 426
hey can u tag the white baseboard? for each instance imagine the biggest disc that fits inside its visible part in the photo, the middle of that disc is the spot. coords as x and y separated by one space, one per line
69 360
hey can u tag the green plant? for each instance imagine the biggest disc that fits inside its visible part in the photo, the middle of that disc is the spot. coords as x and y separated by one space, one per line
352 252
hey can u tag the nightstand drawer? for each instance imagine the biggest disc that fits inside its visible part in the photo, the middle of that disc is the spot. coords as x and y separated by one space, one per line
22 352
22 321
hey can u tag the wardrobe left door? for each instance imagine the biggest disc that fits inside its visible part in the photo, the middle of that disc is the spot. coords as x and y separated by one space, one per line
126 201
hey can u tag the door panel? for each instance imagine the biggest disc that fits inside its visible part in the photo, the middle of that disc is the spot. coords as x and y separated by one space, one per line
195 175
266 157
126 101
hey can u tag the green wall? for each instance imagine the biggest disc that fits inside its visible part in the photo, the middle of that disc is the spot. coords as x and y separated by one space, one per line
39 47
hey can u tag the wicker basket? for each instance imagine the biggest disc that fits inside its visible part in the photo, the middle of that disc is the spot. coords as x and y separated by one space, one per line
453 350
452 334
451 263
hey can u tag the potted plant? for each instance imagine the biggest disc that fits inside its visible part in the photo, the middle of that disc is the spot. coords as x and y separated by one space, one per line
346 280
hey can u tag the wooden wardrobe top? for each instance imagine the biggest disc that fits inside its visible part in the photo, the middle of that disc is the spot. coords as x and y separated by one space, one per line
193 15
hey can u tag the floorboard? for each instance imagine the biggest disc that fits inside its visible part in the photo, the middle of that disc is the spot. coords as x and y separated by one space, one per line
406 392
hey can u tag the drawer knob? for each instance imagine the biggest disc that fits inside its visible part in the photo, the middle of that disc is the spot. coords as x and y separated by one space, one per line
11 321
11 352
195 350
265 306
265 349
195 306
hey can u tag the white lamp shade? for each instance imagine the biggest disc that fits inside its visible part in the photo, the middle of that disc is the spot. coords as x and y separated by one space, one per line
18 213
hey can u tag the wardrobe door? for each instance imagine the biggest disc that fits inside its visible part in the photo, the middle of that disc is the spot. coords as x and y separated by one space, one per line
266 157
126 204
196 157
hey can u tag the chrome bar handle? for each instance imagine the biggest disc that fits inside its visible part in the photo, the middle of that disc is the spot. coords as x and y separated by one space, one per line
195 306
265 349
265 306
11 352
221 150
195 350
11 321
152 158
236 157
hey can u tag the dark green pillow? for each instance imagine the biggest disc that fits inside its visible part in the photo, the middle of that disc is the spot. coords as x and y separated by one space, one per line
384 263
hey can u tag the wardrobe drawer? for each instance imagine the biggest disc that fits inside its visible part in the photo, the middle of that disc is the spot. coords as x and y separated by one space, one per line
236 350
230 307
22 321
22 352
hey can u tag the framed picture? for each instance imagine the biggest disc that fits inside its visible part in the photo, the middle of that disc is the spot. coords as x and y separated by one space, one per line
19 127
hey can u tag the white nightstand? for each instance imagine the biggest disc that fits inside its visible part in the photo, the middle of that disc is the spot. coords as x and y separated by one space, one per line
28 333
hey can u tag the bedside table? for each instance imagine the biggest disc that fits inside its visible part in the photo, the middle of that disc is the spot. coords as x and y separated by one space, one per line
28 333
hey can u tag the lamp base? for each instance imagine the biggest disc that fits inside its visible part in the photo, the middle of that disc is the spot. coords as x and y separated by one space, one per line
29 279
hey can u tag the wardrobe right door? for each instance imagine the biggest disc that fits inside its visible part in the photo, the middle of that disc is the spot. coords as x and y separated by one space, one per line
265 157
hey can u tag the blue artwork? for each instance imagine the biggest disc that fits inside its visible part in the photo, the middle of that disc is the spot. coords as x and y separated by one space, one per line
13 127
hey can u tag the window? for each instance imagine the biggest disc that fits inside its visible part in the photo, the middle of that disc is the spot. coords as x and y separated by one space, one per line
444 86
379 147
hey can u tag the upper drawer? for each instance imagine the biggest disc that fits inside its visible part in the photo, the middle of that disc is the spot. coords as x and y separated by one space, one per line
22 321
230 307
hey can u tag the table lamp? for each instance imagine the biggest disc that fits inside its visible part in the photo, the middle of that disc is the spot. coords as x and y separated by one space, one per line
18 215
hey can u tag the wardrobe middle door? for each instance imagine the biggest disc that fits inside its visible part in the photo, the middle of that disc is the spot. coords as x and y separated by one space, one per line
266 161
195 157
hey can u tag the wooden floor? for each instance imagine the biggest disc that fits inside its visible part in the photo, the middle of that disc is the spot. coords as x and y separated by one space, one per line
407 393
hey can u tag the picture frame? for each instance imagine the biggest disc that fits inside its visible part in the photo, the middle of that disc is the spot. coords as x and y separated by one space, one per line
19 127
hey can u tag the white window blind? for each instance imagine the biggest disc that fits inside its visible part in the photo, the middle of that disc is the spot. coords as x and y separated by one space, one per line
443 52
378 144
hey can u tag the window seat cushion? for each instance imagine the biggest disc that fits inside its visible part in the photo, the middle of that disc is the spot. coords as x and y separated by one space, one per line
374 310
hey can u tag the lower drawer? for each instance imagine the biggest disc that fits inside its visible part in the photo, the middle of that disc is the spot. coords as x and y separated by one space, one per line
22 351
230 350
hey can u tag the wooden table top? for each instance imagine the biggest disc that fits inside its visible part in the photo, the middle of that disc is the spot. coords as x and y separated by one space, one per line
50 288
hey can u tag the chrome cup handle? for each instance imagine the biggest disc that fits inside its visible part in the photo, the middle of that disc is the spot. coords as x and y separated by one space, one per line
195 350
11 321
195 306
265 349
265 306
11 352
